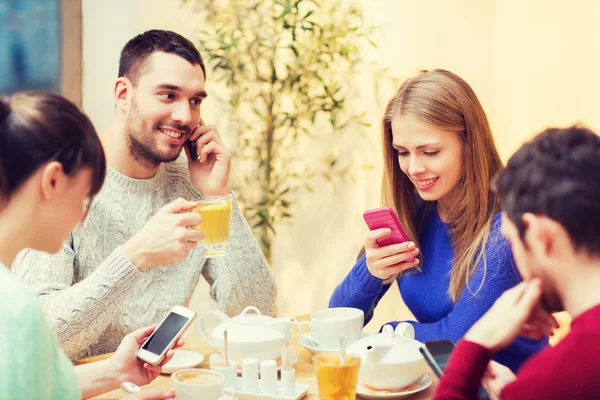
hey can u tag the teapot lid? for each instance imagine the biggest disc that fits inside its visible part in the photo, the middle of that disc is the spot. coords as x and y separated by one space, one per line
403 332
403 353
248 319
402 347
253 328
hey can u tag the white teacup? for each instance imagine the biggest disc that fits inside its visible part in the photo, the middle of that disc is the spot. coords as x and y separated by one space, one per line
328 325
193 384
228 370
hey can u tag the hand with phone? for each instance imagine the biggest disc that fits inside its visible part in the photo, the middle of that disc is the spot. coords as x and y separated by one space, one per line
165 238
126 364
141 355
437 355
208 160
387 248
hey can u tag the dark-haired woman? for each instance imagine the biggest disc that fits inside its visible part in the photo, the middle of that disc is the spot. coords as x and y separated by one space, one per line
51 166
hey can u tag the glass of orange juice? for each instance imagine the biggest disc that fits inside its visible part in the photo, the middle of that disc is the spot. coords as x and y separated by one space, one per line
216 221
336 381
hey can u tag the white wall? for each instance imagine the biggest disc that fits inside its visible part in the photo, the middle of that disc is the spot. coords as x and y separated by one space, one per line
532 63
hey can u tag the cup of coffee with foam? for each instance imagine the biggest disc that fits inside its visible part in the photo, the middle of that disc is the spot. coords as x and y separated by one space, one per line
193 384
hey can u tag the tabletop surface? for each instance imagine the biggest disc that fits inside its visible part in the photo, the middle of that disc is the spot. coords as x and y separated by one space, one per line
304 369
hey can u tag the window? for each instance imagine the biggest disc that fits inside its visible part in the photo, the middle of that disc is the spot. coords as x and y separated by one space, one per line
40 46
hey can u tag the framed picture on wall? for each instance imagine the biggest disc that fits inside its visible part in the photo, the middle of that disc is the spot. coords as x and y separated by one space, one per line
40 46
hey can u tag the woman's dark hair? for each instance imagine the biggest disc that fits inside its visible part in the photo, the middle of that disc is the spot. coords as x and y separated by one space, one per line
40 127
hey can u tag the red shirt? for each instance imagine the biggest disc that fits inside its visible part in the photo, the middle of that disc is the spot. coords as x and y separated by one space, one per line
570 370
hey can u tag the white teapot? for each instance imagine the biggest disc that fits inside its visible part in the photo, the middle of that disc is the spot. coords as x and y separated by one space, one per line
248 335
389 360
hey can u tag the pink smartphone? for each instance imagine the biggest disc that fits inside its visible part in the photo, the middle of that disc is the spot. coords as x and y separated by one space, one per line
385 217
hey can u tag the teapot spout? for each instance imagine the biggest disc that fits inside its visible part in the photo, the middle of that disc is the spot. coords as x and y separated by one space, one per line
283 326
374 353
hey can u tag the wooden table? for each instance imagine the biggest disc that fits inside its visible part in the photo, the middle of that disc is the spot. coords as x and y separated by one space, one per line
304 368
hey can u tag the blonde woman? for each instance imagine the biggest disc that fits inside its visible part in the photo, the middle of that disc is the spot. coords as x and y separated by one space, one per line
439 159
51 166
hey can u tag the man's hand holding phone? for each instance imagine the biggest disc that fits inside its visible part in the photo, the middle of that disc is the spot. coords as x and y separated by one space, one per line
209 167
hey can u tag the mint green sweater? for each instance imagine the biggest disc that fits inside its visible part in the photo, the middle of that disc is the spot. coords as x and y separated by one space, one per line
31 364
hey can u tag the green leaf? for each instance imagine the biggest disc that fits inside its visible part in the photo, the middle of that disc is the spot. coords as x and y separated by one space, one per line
265 242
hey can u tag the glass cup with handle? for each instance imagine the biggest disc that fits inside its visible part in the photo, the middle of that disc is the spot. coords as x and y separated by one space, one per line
216 223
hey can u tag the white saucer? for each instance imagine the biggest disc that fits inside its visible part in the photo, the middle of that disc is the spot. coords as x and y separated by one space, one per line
423 383
319 350
181 360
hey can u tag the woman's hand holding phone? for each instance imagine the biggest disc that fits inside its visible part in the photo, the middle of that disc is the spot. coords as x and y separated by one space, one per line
126 365
388 261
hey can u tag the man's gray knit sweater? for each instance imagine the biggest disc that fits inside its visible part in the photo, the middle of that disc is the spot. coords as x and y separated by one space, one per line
93 295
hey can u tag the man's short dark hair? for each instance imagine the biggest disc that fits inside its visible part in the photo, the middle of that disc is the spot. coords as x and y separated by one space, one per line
557 174
138 49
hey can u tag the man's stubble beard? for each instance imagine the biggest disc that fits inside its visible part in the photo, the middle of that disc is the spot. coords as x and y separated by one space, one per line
141 141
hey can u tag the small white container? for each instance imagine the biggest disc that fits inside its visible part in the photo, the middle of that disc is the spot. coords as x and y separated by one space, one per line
288 383
229 372
250 375
268 377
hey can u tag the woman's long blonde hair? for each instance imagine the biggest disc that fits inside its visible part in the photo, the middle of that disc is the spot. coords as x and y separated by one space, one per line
441 99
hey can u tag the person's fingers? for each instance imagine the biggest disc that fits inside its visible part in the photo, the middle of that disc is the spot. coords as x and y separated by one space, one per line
531 332
208 133
141 334
397 268
195 134
179 205
530 297
512 295
399 258
372 236
167 358
543 320
393 249
211 148
189 219
156 369
191 237
180 343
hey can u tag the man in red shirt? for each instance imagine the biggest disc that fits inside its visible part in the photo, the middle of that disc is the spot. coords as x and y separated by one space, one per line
550 191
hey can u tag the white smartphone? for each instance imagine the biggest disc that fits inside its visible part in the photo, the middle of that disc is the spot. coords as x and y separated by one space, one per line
166 335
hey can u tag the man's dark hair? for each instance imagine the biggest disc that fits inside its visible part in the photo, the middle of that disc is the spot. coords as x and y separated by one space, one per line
138 49
557 174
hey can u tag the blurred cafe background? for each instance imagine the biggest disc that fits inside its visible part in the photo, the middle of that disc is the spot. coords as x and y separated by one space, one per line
533 63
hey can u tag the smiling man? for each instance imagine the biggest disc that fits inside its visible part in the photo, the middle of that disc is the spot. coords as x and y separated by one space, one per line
134 258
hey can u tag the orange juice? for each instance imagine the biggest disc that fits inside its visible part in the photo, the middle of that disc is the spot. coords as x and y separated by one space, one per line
216 220
336 381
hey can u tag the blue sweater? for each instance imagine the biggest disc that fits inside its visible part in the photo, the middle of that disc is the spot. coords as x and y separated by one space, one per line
426 292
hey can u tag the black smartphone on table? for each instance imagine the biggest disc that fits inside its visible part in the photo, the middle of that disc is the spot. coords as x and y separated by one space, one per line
437 354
